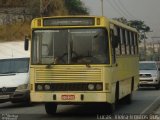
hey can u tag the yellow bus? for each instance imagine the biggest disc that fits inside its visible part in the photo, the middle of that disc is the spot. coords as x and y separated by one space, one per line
82 60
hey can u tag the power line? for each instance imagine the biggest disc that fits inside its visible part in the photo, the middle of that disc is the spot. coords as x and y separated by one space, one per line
115 8
120 8
120 3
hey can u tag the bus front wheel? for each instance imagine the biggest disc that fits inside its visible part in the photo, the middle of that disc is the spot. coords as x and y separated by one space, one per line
108 108
111 108
51 108
128 98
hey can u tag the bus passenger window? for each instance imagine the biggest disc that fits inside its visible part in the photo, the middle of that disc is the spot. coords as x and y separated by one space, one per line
113 48
118 49
133 44
123 41
129 41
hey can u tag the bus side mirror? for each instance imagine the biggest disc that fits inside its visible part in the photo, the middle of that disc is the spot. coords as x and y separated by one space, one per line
115 41
26 43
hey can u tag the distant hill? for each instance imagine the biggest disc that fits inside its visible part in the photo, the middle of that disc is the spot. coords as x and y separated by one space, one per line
13 3
16 15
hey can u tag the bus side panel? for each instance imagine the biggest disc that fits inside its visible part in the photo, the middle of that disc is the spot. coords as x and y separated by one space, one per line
127 71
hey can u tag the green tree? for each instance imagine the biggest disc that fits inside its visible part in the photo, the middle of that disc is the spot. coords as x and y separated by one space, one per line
76 7
139 25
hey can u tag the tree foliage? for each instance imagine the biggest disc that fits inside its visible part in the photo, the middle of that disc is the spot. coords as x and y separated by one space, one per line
141 27
138 24
48 7
76 7
12 3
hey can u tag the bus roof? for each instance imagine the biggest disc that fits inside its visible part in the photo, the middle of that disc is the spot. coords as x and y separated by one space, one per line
115 22
122 25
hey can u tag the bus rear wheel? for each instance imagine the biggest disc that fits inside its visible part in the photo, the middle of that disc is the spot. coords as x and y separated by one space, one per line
108 108
111 108
51 108
128 98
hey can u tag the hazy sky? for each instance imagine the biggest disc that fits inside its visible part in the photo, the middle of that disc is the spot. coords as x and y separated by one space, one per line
145 10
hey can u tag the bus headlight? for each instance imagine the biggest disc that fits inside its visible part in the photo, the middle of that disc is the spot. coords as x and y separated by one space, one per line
99 87
91 87
39 87
47 87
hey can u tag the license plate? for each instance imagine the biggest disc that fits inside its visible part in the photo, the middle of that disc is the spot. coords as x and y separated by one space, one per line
68 97
4 96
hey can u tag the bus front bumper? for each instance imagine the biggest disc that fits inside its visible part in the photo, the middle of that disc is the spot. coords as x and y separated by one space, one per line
70 97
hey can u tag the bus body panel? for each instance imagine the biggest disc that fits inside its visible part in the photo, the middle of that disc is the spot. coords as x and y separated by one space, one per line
119 78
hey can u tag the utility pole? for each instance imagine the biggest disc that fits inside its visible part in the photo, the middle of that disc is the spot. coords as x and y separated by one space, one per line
41 8
145 50
153 50
102 6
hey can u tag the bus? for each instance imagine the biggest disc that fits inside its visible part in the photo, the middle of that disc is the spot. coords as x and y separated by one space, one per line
82 60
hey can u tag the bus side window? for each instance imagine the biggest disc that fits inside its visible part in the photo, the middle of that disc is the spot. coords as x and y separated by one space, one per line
137 44
118 49
113 48
129 42
123 46
133 43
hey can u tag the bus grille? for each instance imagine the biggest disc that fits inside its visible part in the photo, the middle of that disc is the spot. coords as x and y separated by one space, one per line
68 86
71 75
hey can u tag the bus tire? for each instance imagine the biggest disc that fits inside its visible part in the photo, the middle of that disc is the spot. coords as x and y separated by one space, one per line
117 93
128 98
51 108
108 108
111 108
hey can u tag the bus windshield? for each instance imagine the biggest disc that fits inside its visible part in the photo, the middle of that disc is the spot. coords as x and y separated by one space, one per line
70 46
18 65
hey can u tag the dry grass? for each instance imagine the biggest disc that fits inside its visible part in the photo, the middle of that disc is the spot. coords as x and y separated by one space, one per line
17 31
58 8
12 32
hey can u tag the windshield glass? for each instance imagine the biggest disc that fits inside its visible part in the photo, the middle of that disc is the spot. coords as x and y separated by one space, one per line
147 66
70 46
19 65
